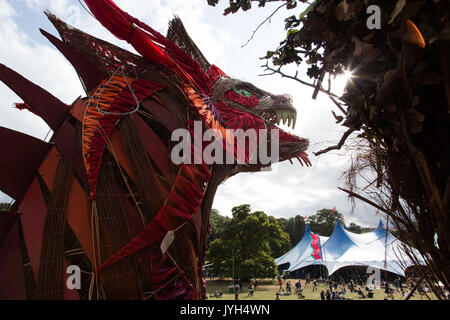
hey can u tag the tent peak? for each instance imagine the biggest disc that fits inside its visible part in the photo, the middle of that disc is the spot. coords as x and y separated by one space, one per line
307 228
380 225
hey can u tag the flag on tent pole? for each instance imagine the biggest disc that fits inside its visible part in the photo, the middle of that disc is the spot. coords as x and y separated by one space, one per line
316 247
334 210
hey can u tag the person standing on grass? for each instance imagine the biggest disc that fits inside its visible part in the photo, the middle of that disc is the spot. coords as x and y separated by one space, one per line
322 295
351 286
314 285
400 284
328 294
288 288
250 290
236 292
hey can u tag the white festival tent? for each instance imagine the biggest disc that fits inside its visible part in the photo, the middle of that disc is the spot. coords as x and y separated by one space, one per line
377 249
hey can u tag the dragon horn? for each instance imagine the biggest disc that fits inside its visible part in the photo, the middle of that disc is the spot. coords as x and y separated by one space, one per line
20 161
44 104
89 74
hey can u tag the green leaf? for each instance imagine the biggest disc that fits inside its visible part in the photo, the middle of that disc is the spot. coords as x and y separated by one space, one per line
310 7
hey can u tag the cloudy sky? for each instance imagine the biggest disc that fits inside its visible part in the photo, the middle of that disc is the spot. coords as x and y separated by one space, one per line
288 190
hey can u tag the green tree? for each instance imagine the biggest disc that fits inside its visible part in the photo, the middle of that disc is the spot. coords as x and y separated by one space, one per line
218 224
323 221
294 226
254 239
353 227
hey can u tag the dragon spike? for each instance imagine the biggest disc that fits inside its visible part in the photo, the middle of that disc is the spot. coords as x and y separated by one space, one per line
89 74
20 161
47 106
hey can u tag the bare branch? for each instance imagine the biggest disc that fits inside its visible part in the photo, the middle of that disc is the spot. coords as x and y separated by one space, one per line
337 103
373 204
273 71
262 23
339 145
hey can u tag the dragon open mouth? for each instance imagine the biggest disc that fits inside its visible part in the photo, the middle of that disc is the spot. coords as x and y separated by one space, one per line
279 117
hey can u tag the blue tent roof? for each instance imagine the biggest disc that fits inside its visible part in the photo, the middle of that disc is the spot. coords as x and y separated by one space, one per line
338 243
297 251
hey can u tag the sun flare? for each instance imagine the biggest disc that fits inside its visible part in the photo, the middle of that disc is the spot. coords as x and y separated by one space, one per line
340 81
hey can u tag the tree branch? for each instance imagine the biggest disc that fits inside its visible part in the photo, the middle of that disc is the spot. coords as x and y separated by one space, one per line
337 104
273 71
339 145
373 204
262 23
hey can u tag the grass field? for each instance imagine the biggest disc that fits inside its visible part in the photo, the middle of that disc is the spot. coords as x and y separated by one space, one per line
267 291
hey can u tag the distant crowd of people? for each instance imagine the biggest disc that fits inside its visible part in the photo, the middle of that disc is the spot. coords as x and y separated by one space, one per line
251 288
336 290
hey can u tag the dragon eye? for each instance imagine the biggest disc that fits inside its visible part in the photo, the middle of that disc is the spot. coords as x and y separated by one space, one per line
243 92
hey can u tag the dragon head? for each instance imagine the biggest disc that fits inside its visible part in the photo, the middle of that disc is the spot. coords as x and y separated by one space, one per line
242 105
237 104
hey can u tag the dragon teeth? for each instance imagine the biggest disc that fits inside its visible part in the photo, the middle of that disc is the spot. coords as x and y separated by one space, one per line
286 117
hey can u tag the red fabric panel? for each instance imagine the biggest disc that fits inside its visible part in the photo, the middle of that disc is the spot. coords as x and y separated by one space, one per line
149 50
111 17
88 72
124 160
12 284
50 109
33 212
116 21
197 221
78 109
19 162
78 217
155 148
6 221
135 226
162 114
48 167
120 152
68 142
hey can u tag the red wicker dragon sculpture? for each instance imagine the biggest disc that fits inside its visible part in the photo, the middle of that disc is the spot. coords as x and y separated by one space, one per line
103 193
